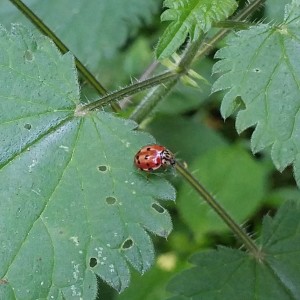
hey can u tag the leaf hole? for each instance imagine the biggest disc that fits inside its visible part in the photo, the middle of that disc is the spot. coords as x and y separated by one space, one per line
127 244
102 168
27 126
111 200
28 56
93 262
158 208
256 70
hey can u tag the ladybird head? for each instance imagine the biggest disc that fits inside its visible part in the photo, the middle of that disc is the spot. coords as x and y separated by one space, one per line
168 158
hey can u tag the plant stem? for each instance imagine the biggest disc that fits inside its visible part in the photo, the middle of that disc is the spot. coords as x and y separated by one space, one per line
231 24
130 90
245 12
148 72
239 232
62 47
159 92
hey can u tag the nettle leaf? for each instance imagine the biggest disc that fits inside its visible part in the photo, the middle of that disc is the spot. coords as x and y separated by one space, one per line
262 73
72 205
232 274
101 25
191 17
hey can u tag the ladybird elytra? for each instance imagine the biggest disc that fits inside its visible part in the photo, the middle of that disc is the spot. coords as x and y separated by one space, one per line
152 157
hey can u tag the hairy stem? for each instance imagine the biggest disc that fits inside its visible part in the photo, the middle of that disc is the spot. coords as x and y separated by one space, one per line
130 90
239 232
159 92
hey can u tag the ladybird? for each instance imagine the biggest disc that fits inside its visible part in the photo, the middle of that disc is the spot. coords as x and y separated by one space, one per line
152 157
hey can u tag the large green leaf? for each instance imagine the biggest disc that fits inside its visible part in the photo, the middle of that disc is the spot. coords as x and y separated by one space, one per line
72 205
191 17
93 30
262 73
236 181
232 274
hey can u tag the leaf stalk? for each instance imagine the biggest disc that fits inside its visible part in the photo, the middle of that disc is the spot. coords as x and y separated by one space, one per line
158 93
130 90
239 232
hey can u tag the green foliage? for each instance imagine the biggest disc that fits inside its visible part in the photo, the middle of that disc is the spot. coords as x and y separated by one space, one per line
186 131
236 181
95 23
262 73
72 204
75 213
192 17
232 274
154 281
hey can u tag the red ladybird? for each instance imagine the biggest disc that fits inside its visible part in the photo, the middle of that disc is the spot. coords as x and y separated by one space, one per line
152 157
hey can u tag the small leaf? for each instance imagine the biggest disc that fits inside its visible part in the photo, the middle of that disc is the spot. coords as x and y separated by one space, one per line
70 196
190 17
261 70
232 274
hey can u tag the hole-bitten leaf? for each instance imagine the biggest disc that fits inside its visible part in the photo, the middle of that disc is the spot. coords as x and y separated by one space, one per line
102 168
53 217
93 262
111 200
261 66
127 244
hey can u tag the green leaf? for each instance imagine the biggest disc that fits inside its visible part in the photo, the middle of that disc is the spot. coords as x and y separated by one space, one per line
72 205
152 285
262 72
191 17
104 26
232 274
235 180
188 137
